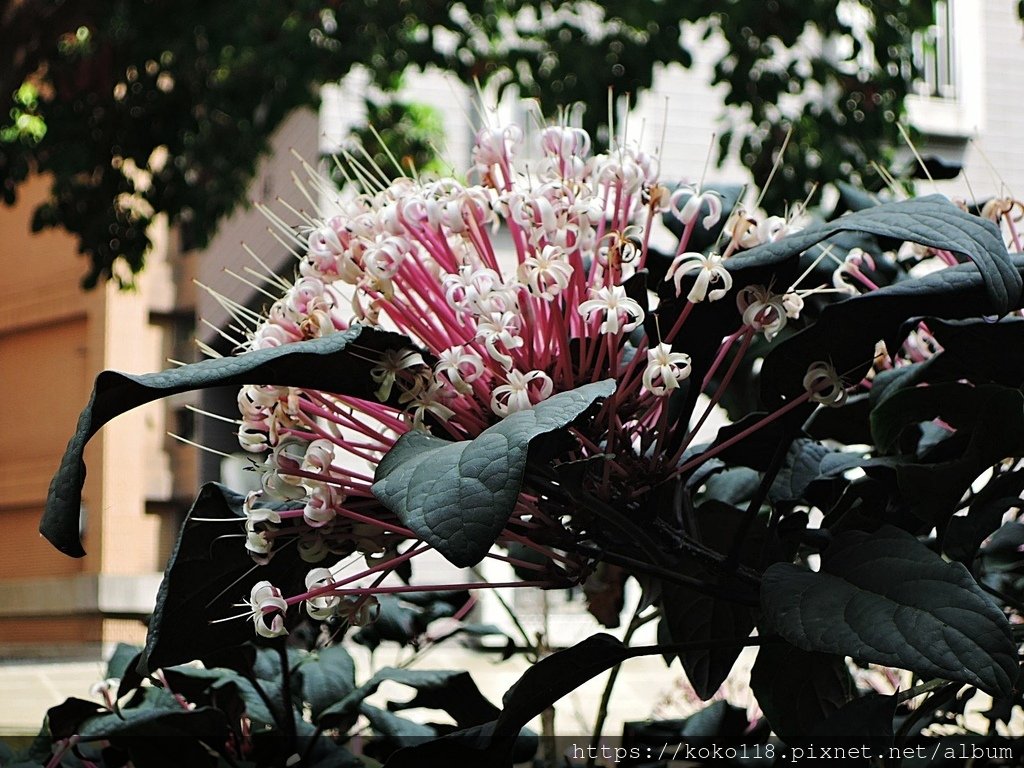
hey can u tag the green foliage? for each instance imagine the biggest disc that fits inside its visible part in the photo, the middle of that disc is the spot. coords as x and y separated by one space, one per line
397 133
254 713
458 496
902 606
926 461
326 361
190 93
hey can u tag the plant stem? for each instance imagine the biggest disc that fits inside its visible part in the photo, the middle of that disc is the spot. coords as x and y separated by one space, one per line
778 458
531 649
700 645
288 714
602 711
703 587
928 687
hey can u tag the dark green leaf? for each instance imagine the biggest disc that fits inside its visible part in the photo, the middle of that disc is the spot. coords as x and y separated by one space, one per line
206 577
159 732
452 691
735 485
989 423
458 496
470 747
328 676
392 725
338 363
396 622
449 690
719 723
965 534
554 677
693 617
65 718
853 198
847 330
932 221
863 721
797 690
121 660
192 681
801 468
886 598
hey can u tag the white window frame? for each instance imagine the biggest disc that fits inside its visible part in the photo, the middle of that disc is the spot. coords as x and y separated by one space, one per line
949 100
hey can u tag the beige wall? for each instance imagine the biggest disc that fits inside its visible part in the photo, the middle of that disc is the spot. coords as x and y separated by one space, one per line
54 339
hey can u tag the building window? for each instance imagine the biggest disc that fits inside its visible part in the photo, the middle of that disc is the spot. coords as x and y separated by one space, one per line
934 55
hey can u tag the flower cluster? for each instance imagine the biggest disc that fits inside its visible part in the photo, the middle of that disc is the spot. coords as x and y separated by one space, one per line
510 289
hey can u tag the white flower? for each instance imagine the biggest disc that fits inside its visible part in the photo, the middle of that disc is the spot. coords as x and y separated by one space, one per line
613 302
710 271
360 611
322 606
320 507
318 458
763 310
312 546
500 328
390 365
851 265
460 367
667 367
496 146
547 273
824 384
515 395
257 542
478 291
383 258
268 609
427 397
695 200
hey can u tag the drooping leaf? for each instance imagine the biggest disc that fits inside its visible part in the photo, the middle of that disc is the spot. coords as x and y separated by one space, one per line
554 677
452 691
206 577
974 350
992 285
195 682
339 363
157 731
932 220
65 718
719 724
886 598
458 496
472 746
396 623
801 468
847 331
989 423
798 690
965 535
492 744
689 616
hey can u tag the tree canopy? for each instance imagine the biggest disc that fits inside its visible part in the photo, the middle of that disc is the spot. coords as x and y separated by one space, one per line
191 92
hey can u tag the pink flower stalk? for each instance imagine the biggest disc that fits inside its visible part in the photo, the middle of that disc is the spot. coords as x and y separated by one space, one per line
496 325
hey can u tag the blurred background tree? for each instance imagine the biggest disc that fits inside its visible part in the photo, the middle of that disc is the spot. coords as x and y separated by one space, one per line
191 91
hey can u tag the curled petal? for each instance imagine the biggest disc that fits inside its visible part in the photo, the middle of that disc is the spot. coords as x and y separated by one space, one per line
824 384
